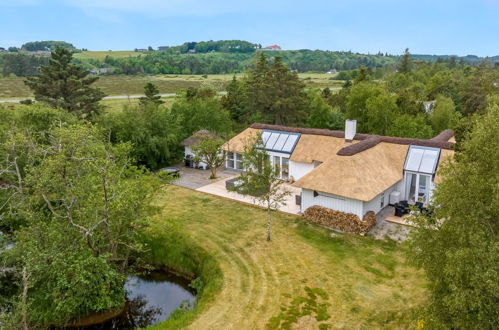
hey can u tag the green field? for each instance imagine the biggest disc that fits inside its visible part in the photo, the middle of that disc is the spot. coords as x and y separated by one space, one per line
101 55
306 275
13 87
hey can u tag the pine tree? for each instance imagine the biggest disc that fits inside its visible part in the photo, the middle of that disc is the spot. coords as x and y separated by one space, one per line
62 84
151 95
405 62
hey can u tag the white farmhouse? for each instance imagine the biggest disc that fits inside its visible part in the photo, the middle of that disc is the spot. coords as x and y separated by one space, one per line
348 171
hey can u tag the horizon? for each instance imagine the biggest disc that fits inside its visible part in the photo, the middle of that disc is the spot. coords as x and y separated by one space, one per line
446 28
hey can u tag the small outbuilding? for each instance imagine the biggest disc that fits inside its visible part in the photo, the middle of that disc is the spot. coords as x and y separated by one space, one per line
192 141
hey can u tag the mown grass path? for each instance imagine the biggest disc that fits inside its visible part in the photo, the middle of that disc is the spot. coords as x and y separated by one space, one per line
368 283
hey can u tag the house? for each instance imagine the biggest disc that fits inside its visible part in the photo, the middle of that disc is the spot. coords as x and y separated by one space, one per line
348 171
163 48
3 50
429 106
332 71
192 141
273 47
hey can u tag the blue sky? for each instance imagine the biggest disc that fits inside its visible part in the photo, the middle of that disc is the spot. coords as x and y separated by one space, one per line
429 27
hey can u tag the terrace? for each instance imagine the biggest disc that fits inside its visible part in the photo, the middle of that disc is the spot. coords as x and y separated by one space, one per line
198 180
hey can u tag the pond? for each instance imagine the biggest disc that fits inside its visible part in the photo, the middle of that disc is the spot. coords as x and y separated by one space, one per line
150 300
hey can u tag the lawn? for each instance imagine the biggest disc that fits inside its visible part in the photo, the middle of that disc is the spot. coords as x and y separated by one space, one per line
306 277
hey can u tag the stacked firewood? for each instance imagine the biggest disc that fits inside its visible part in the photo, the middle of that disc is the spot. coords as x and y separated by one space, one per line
347 222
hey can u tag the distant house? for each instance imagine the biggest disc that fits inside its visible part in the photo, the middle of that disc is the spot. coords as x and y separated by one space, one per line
346 171
106 70
429 106
273 47
191 51
332 71
162 48
192 141
2 50
141 50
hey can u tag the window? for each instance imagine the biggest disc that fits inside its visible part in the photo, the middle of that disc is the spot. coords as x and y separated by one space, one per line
285 168
279 141
230 160
417 187
382 204
239 161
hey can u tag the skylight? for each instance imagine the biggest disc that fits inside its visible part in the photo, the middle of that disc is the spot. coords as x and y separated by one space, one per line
279 141
422 159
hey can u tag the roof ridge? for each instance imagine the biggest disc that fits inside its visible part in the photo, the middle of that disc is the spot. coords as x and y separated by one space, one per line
439 141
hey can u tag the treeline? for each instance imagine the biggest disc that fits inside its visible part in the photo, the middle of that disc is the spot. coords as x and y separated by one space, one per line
215 63
221 46
47 45
21 65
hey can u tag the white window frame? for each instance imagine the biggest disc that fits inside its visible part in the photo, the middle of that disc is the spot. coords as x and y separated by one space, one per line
429 188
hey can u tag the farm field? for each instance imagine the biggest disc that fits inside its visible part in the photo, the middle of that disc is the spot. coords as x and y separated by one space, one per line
306 275
13 87
101 55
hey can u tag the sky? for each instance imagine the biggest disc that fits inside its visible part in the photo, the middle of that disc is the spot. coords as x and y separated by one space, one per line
367 26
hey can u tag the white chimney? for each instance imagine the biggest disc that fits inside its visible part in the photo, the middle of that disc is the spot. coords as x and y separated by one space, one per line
350 129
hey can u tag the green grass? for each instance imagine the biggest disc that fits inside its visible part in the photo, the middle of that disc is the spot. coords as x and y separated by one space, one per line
13 87
101 55
304 278
113 105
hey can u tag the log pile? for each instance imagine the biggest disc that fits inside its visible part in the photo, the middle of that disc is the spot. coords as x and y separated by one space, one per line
347 222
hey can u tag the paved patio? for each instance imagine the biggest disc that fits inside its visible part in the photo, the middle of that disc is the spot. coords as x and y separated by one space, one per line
199 180
387 225
193 178
218 188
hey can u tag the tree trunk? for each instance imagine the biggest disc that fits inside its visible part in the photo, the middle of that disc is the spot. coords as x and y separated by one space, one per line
269 220
24 298
213 172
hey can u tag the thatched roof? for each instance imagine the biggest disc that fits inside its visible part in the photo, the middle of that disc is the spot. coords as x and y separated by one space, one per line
439 141
197 137
317 148
238 142
360 169
361 176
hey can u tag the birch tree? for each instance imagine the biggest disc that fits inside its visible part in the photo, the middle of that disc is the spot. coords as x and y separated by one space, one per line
262 181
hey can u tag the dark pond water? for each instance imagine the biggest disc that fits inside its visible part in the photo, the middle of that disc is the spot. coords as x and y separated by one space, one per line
151 299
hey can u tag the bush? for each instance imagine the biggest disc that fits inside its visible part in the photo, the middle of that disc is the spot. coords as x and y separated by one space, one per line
347 222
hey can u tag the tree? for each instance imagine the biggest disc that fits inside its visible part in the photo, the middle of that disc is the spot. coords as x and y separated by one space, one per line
458 246
154 133
381 110
356 103
207 150
262 180
84 204
362 75
66 85
236 101
405 65
193 114
444 114
322 115
276 93
410 126
151 95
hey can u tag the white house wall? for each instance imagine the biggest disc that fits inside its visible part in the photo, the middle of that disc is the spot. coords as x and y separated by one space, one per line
298 169
188 151
337 203
375 203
